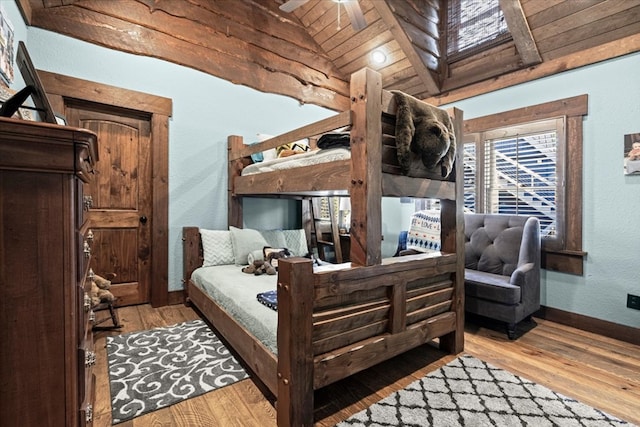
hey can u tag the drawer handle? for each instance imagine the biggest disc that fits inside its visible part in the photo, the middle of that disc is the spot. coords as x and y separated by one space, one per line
92 316
88 415
89 236
87 302
89 358
91 275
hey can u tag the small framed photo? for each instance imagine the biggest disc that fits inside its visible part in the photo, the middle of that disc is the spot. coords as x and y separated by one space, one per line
632 154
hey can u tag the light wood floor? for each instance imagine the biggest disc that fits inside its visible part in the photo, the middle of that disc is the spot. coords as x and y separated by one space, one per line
593 369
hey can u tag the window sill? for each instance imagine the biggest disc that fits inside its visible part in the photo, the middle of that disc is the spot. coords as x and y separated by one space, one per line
564 261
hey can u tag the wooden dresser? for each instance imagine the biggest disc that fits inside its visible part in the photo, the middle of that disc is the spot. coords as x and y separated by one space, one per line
46 342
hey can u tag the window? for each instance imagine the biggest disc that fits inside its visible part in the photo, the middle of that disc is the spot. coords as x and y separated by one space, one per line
517 166
519 174
474 25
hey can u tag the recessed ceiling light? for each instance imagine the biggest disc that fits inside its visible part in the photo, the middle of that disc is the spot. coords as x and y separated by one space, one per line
378 57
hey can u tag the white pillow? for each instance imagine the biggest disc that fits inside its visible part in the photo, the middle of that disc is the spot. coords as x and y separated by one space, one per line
274 238
268 154
296 242
424 231
217 247
245 241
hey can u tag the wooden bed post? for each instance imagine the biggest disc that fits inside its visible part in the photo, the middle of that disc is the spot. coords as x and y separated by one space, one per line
190 252
295 352
452 217
234 204
366 163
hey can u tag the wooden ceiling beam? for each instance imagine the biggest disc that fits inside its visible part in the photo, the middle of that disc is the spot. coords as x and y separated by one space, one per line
520 31
274 74
421 69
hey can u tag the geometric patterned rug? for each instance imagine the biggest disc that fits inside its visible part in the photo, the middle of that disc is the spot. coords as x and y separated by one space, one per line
470 392
153 369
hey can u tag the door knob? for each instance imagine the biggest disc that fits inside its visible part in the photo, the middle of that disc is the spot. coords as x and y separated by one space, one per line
143 219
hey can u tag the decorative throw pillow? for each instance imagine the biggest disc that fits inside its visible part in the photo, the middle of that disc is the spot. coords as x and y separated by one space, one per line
268 154
245 241
217 247
296 241
274 238
292 148
424 232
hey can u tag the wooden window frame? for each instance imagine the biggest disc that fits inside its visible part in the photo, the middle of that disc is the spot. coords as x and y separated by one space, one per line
569 256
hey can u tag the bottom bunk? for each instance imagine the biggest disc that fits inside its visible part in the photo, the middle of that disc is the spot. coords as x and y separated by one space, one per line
331 322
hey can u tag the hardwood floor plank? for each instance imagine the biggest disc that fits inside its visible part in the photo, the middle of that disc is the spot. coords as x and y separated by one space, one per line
602 389
596 370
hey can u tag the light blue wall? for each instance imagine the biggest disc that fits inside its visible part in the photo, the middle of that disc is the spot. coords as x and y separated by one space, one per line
611 200
207 109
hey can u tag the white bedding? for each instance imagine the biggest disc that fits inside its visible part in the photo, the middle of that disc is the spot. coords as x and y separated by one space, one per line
299 160
236 292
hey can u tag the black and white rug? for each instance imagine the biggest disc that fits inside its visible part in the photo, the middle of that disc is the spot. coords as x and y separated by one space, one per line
153 369
470 392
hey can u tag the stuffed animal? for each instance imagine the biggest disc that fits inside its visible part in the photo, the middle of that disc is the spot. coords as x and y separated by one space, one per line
424 131
274 256
100 289
259 267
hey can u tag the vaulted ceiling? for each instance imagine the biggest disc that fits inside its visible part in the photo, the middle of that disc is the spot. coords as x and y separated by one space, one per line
309 53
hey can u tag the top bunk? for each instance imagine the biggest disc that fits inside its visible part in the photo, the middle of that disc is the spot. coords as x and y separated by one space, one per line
380 123
373 164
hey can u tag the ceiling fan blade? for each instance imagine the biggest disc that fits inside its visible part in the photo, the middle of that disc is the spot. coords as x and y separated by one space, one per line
292 5
355 14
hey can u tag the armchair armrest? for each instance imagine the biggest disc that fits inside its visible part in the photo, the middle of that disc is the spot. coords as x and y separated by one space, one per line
519 275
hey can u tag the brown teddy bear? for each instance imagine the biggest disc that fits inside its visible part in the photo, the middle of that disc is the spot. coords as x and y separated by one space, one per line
100 289
259 267
423 131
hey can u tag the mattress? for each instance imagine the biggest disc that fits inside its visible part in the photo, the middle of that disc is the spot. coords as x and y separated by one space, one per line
237 292
299 160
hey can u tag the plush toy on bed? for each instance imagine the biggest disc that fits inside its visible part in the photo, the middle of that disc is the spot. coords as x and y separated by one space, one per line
272 255
100 289
259 267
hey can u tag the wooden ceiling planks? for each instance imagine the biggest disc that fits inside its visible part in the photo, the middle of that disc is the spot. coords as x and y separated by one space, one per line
304 55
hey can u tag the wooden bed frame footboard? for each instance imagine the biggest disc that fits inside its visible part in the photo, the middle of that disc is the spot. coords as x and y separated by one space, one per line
334 324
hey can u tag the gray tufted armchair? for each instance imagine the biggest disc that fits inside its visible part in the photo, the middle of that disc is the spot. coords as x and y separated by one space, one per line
502 267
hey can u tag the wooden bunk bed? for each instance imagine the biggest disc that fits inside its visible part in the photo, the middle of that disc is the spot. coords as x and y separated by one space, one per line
334 324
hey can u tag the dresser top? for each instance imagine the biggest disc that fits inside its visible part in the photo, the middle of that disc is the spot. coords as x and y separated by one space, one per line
38 146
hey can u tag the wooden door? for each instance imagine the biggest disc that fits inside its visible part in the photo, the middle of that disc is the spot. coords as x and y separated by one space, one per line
121 207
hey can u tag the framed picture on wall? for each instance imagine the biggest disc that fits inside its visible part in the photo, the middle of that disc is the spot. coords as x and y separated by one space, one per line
632 154
6 48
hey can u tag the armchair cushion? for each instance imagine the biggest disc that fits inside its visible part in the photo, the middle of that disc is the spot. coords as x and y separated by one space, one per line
489 286
493 244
